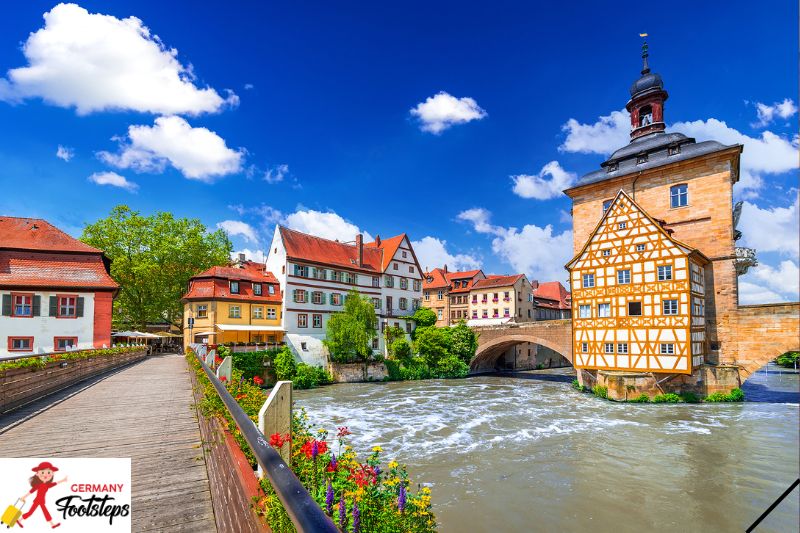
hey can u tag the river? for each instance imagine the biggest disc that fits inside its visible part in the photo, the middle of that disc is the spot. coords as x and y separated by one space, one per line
528 453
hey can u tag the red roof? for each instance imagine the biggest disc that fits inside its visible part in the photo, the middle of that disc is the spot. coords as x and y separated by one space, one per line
497 281
37 234
555 292
467 275
215 283
326 252
438 279
54 270
389 247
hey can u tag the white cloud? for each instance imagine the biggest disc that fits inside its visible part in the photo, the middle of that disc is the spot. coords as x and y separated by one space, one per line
439 112
249 86
268 215
276 174
538 252
564 216
752 293
784 280
772 229
327 225
96 62
197 153
539 186
65 153
432 253
603 137
237 227
252 255
768 113
113 179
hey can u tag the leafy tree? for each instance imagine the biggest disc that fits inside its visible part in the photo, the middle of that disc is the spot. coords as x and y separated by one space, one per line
463 342
391 334
350 332
285 365
152 258
432 345
424 317
401 350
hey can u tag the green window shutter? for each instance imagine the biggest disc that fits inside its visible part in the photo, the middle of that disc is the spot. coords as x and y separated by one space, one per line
6 305
53 306
294 295
36 309
79 307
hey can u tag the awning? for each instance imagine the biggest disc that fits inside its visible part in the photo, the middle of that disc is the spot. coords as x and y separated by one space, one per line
247 327
135 335
475 322
205 333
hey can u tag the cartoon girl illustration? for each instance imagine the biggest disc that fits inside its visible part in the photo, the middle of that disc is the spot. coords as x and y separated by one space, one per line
41 482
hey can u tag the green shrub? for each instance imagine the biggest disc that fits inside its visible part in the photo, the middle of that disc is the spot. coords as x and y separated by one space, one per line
540 366
576 384
250 363
736 395
393 370
415 370
600 391
285 365
401 350
642 398
451 367
669 397
309 377
789 359
690 397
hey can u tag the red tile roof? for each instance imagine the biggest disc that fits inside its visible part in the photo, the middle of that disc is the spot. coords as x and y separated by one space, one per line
54 270
555 292
214 283
497 281
326 252
37 234
438 280
389 247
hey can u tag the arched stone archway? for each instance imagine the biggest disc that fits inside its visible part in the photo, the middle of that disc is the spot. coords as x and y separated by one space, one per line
493 341
765 332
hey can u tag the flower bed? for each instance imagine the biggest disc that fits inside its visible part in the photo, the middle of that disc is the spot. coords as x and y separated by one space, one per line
358 496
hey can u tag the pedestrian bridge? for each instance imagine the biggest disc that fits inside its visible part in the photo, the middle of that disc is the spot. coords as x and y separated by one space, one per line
494 340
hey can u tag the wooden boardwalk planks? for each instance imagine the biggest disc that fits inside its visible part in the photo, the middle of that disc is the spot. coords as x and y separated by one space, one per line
144 412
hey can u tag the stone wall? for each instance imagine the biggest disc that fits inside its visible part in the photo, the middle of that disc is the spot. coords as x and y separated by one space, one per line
356 372
764 332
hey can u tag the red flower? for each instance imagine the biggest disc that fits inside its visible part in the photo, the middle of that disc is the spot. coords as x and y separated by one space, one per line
240 396
276 440
218 359
308 445
223 379
257 380
343 432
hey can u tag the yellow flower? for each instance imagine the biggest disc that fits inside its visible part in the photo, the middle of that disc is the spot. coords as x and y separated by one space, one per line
425 490
393 464
377 449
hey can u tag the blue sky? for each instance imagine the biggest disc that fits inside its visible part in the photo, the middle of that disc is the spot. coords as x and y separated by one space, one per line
456 124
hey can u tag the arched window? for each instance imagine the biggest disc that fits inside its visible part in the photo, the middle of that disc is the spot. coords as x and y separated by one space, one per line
645 115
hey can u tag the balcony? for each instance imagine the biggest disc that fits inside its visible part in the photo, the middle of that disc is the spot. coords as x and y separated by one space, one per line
745 258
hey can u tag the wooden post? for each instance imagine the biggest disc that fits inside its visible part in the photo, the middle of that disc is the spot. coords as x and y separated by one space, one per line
275 416
225 368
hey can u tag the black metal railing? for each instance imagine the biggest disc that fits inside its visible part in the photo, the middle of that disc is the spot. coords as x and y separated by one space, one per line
304 512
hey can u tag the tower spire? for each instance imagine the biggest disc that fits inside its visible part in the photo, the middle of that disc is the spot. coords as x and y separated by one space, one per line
645 54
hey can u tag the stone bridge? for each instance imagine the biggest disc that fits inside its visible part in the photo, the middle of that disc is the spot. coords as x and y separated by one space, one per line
494 340
764 332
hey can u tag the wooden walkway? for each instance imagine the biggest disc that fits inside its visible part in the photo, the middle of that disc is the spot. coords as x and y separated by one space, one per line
144 412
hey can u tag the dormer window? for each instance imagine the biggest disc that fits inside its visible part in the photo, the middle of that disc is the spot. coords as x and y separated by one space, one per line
641 158
257 289
675 150
234 287
645 116
612 167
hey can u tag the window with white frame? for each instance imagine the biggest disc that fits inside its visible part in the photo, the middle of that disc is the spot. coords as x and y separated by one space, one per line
439 314
439 294
588 281
604 310
622 347
404 283
202 311
20 344
608 347
664 272
301 270
417 285
257 289
622 225
302 320
234 287
67 306
667 348
234 311
389 281
623 277
300 296
679 195
584 347
426 295
670 307
641 247
336 298
258 311
585 311
23 305
376 281
271 313
606 253
316 320
403 303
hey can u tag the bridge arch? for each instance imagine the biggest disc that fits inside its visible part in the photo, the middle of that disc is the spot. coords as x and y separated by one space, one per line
494 341
765 331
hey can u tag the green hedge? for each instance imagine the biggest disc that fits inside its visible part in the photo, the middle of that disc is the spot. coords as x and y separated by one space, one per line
37 363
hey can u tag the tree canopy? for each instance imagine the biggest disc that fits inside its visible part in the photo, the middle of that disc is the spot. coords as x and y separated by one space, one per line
463 342
350 332
152 258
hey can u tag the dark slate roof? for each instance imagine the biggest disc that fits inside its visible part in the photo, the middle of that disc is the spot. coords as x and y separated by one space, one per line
656 147
648 81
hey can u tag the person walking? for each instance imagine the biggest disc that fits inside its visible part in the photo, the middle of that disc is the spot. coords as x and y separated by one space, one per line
41 482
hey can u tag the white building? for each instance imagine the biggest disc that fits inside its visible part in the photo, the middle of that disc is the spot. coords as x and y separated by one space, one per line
56 293
315 275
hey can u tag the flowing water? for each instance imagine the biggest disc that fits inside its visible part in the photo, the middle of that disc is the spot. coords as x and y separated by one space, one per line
528 453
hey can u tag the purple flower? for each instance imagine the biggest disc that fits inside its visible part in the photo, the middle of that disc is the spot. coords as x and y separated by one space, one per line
329 499
342 513
333 461
356 517
314 449
377 471
401 499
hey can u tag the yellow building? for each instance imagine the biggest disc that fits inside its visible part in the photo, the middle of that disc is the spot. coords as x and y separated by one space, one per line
235 304
638 296
501 299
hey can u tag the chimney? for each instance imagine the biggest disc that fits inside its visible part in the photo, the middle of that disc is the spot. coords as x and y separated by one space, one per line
360 248
241 260
378 241
445 269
